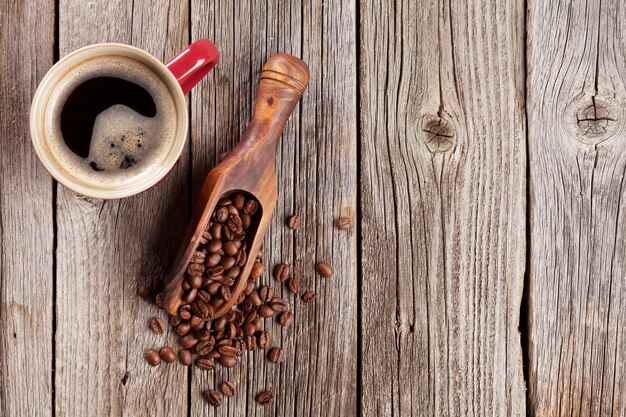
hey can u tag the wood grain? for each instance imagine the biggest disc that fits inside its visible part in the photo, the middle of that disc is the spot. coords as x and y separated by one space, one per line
26 216
316 171
576 114
106 248
443 213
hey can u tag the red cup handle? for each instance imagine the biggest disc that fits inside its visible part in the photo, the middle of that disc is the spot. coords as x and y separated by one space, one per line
193 63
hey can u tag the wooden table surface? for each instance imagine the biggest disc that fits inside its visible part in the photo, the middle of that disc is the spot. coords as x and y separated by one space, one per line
477 146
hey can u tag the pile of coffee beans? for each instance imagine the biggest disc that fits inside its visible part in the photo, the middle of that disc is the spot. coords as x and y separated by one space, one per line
210 278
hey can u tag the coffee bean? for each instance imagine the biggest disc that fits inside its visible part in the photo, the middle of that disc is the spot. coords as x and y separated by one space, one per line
205 364
295 285
174 321
195 282
227 262
228 351
217 303
204 347
202 334
183 328
264 340
293 222
248 329
308 296
265 398
167 354
255 299
227 361
324 269
184 357
221 214
188 341
215 245
343 223
228 388
184 312
250 207
276 355
286 319
152 356
190 295
257 270
230 248
213 260
195 269
266 293
196 323
225 293
278 304
197 257
233 272
185 286
239 200
205 237
213 397
266 311
158 300
214 354
257 323
249 342
281 272
202 310
157 325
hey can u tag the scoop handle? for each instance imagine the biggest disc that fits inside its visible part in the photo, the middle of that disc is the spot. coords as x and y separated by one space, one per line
283 81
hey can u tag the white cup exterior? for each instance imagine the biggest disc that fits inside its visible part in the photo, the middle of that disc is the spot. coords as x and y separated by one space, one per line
144 179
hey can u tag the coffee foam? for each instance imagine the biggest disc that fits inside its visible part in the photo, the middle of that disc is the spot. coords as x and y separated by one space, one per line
124 144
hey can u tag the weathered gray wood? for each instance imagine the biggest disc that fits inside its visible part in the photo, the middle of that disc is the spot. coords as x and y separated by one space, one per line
317 178
576 114
106 248
442 200
26 216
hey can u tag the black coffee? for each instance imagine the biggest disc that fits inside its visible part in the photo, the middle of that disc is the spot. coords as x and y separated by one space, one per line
110 119
91 98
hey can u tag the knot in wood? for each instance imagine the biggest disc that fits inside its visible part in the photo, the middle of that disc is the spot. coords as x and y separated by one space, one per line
438 133
596 120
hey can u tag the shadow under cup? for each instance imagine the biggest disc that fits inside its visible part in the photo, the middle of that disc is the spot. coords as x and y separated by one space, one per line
164 139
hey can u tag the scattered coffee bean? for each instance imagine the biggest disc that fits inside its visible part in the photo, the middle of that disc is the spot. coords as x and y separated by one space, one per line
266 311
174 321
185 357
227 361
257 270
308 296
295 285
281 272
152 356
293 222
276 355
228 388
265 398
264 340
213 397
188 341
286 319
157 325
278 304
205 364
167 354
344 223
324 269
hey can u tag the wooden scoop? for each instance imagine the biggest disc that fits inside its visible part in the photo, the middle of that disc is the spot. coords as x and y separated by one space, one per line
250 167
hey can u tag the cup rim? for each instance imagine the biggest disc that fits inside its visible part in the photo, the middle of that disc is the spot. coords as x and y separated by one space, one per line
136 184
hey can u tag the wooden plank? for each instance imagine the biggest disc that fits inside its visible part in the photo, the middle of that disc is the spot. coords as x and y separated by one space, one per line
105 248
442 200
26 215
576 113
317 178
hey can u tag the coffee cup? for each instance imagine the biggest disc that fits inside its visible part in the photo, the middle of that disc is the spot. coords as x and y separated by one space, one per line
111 120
